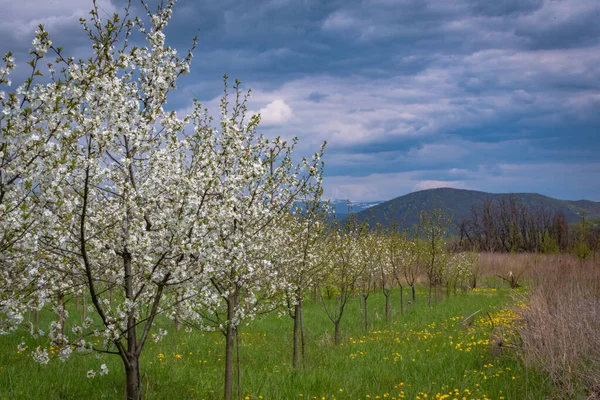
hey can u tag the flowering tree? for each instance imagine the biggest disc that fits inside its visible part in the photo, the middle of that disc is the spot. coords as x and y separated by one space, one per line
122 188
343 269
431 233
102 191
386 276
306 250
393 265
462 267
413 266
257 187
368 258
21 146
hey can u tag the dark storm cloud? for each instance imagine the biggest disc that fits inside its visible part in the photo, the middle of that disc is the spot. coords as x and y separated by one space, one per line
410 94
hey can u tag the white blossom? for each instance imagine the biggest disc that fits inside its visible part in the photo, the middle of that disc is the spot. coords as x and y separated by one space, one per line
117 200
40 355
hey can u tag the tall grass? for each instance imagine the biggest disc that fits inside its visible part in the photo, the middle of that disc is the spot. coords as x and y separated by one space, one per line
560 330
518 268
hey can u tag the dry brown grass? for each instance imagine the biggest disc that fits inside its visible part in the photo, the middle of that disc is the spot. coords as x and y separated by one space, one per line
561 322
520 263
502 268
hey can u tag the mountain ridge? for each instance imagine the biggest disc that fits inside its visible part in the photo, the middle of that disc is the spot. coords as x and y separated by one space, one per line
459 202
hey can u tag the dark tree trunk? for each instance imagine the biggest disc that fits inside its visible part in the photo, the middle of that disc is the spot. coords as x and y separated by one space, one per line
387 294
61 318
134 383
132 361
178 323
83 308
238 363
301 316
414 293
336 337
229 340
296 338
401 299
429 296
328 292
366 308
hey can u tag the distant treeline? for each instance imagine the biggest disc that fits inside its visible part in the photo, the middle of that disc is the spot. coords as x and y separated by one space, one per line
506 225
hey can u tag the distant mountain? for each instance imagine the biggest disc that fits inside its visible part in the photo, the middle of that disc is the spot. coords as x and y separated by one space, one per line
458 204
343 207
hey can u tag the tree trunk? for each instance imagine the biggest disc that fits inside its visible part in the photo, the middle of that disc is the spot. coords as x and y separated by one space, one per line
296 318
132 363
238 363
429 296
366 307
61 317
134 383
178 323
387 305
401 299
414 293
301 311
229 339
83 308
336 337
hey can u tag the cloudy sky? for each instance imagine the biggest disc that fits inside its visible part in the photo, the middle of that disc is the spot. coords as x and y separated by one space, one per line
492 95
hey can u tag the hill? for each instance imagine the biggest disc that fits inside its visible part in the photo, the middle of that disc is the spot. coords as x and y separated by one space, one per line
459 202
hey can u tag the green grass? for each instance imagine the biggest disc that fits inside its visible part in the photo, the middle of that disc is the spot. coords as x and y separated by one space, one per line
425 351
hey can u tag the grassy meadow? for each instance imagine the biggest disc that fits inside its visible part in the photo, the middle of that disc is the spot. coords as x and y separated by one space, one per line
425 353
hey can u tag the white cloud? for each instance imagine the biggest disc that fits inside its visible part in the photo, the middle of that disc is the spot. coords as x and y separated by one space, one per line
276 112
339 21
356 110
